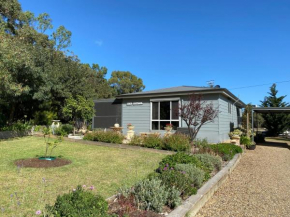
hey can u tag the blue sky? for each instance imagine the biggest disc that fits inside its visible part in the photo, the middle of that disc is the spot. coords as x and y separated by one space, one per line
172 43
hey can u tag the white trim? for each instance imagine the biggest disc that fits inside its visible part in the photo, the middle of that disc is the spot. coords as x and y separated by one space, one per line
159 120
165 99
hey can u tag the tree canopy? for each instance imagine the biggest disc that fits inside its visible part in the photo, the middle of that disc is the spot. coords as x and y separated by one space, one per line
275 122
38 73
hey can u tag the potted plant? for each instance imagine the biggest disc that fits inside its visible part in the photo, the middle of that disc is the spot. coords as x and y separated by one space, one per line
168 127
251 146
235 134
130 126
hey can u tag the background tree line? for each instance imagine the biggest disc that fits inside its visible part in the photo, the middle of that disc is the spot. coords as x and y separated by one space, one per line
38 74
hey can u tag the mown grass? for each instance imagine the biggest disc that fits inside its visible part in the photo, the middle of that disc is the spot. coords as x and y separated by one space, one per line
25 190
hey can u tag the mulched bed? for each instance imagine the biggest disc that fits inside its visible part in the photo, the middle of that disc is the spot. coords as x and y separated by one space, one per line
36 163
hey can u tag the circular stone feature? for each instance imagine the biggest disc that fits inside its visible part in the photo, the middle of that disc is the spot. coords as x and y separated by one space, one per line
37 163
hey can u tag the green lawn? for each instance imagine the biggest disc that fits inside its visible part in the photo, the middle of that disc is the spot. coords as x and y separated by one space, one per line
25 190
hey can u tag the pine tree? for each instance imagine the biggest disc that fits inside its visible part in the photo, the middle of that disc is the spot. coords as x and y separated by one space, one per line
275 122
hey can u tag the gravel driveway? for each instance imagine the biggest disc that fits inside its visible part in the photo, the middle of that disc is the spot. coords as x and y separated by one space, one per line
259 186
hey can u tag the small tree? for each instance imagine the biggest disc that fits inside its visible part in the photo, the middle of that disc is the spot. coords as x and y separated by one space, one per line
79 108
275 122
196 113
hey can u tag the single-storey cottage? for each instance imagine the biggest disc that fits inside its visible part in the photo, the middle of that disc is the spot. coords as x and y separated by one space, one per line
150 111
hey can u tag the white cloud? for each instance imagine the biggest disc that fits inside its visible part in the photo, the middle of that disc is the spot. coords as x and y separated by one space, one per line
99 42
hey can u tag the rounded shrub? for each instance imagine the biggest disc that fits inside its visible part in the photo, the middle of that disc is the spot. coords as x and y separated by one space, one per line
210 161
176 142
178 180
196 175
78 203
179 158
150 194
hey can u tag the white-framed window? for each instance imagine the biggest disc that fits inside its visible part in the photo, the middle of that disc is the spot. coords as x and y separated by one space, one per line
164 112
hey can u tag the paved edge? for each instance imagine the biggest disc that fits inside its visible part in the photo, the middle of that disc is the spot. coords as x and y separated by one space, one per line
112 145
193 204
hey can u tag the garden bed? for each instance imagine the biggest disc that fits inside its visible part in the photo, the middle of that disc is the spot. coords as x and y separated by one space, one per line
37 163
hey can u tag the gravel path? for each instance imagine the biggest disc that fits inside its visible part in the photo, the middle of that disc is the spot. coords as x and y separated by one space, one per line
259 186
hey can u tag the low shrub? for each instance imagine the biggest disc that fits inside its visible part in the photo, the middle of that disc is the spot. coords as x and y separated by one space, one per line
18 126
244 140
176 142
199 143
181 181
152 141
196 175
212 162
179 158
173 199
136 140
63 130
225 150
108 136
78 203
150 194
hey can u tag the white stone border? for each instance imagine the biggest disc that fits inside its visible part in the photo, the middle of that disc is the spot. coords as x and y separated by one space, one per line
193 204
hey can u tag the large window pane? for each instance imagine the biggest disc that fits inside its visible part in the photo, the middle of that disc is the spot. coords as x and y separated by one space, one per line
155 111
175 124
165 110
174 110
155 125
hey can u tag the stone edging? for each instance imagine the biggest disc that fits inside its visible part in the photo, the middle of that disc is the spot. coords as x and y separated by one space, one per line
193 204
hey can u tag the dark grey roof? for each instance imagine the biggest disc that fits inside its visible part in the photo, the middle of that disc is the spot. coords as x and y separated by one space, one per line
181 90
169 90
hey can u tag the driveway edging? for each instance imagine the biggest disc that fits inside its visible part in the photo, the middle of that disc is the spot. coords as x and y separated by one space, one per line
193 204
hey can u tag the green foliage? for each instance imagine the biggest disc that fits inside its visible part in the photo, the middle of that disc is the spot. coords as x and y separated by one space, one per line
136 140
244 140
196 175
125 82
180 181
275 122
18 126
64 130
51 144
44 117
152 141
226 151
179 158
174 198
150 194
80 107
108 136
176 142
200 143
79 203
210 161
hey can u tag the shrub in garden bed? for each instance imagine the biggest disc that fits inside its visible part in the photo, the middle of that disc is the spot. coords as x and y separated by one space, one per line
108 136
225 150
212 162
176 142
244 140
78 203
196 175
179 158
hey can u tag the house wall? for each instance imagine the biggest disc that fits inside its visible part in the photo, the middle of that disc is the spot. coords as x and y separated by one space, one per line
226 118
140 117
